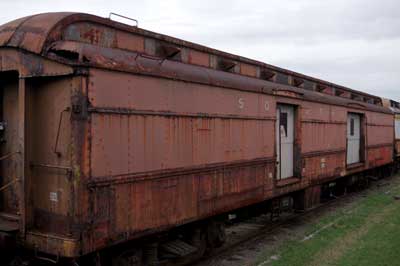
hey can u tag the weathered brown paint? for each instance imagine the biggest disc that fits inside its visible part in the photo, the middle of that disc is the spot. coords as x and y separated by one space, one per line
153 142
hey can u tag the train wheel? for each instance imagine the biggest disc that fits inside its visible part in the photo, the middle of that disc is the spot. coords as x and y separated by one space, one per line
128 258
216 235
199 240
16 261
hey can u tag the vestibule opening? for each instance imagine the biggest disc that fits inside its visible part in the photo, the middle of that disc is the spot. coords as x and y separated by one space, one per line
355 138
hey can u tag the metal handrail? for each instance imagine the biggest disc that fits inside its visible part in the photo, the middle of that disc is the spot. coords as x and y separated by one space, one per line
9 184
121 16
8 155
50 166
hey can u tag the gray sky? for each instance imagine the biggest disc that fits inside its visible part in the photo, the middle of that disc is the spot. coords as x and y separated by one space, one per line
355 43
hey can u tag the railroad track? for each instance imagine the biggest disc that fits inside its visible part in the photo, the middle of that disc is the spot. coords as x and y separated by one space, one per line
258 228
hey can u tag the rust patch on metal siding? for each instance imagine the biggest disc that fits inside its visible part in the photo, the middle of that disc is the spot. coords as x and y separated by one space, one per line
379 155
320 166
52 244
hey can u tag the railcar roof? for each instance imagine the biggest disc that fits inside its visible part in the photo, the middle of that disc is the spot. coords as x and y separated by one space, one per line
38 33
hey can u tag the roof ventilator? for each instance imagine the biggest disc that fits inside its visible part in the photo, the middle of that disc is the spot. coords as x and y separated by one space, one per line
369 100
169 52
339 92
65 54
227 65
320 88
267 75
357 97
297 82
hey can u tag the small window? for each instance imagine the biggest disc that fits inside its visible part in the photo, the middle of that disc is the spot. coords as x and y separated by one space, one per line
283 122
351 126
397 127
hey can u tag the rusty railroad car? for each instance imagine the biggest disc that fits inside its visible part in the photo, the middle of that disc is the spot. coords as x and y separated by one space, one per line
112 134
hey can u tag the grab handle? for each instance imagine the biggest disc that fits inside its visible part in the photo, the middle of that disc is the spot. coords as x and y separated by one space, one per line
121 16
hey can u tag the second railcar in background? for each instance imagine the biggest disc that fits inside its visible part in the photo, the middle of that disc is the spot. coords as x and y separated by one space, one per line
113 134
395 107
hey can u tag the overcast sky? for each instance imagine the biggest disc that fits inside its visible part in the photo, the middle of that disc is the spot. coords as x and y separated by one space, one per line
355 43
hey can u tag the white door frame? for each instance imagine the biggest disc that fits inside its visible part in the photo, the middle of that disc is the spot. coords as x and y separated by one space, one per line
353 138
285 141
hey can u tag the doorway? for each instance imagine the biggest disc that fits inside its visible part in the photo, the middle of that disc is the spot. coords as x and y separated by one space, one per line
353 138
285 140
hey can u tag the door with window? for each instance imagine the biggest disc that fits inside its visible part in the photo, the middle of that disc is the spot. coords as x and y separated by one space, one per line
353 138
285 141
